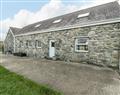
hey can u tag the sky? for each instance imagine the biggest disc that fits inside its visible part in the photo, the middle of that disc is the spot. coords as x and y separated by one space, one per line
19 13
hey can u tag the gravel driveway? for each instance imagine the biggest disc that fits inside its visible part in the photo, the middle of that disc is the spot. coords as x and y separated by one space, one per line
69 78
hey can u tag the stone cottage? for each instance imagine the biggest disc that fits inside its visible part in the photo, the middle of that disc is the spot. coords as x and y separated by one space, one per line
90 35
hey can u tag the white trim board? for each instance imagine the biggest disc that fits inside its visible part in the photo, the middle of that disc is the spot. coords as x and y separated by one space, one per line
12 32
8 32
13 39
116 20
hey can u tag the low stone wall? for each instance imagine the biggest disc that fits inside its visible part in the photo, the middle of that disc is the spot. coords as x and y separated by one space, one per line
103 40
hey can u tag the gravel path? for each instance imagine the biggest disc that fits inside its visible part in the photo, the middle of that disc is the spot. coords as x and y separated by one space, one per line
69 78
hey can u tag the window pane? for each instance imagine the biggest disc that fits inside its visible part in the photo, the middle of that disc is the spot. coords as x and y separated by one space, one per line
39 44
86 47
78 47
21 44
82 47
82 40
52 44
36 43
29 44
26 43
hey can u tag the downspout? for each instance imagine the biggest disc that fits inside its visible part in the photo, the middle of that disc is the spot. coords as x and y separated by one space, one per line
4 46
14 44
119 56
13 40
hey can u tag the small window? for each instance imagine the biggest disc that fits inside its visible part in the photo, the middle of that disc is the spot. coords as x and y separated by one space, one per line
52 44
37 25
38 44
81 44
83 15
56 21
21 44
28 43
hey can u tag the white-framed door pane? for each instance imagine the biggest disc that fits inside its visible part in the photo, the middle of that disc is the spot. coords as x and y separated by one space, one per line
51 48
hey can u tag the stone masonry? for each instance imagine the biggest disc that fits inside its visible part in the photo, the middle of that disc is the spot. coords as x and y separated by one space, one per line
102 44
9 43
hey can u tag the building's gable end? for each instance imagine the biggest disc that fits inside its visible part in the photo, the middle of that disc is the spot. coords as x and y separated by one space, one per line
15 30
9 32
9 42
12 33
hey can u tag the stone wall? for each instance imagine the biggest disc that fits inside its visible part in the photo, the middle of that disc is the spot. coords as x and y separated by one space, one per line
9 43
102 44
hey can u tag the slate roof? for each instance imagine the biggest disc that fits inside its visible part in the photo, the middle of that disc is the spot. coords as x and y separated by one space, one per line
102 12
15 30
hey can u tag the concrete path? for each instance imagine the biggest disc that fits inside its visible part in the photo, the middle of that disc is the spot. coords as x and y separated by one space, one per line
71 79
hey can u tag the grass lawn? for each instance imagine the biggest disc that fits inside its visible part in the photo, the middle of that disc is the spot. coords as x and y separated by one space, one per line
13 84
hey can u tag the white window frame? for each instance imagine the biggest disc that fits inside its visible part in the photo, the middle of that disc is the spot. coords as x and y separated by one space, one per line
76 43
28 42
37 44
57 21
38 25
21 44
83 15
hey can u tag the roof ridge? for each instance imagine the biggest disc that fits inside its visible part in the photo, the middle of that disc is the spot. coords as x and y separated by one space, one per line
99 12
72 12
15 27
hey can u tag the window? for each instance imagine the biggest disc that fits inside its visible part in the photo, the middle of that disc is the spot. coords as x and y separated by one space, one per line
56 21
81 44
21 44
28 43
38 44
37 25
83 15
52 44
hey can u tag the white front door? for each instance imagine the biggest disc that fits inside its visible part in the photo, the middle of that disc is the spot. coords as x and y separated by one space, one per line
51 48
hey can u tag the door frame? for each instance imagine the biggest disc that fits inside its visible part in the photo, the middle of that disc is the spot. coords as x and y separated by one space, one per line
51 48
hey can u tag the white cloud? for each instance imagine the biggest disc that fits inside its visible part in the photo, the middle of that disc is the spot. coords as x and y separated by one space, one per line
19 20
25 17
96 2
119 2
51 9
